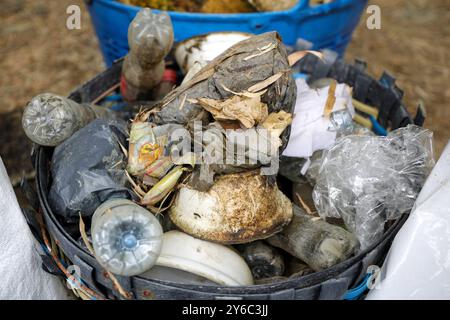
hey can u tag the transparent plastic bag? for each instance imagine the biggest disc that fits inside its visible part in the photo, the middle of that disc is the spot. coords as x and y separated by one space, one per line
368 180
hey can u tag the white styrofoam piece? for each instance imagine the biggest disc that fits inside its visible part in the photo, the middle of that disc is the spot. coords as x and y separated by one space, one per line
21 274
418 263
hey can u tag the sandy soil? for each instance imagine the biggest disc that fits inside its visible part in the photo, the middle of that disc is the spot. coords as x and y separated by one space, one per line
413 45
39 54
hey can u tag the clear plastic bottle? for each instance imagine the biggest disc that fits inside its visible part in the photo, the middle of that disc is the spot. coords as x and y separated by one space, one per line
127 239
320 244
50 119
150 38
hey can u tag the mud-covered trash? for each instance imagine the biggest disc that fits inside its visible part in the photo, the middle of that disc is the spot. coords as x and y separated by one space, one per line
239 208
314 241
368 180
235 151
88 169
49 119
249 111
258 64
148 151
264 261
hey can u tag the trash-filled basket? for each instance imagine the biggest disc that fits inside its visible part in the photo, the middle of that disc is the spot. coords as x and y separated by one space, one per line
96 283
328 25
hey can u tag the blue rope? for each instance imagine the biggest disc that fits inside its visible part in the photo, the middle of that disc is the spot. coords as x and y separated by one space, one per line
377 127
356 293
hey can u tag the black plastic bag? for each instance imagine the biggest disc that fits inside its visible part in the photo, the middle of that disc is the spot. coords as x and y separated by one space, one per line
88 169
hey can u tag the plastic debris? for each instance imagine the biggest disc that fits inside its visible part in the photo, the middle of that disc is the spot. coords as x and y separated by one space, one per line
22 278
319 111
187 260
368 180
163 187
416 267
126 238
150 38
318 243
248 149
50 119
85 178
147 152
264 260
239 208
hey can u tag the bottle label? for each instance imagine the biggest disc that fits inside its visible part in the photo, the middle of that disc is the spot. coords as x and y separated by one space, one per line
132 93
170 76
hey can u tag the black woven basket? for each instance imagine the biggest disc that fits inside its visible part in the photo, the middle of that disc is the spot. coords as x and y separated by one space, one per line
328 284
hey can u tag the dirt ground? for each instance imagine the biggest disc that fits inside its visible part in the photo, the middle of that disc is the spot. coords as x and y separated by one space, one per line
39 54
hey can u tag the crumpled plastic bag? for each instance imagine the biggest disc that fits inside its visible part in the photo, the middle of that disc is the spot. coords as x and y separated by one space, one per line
233 151
368 180
421 247
88 169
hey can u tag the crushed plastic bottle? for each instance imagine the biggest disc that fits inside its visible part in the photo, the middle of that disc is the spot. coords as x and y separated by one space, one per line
320 244
150 38
127 239
50 119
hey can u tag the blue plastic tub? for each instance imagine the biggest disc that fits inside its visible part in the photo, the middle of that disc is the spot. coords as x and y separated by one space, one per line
326 26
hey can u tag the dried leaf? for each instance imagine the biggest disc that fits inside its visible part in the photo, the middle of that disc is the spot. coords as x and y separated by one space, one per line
264 84
137 189
277 122
183 102
297 56
124 150
84 236
248 111
263 50
304 205
246 93
331 100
